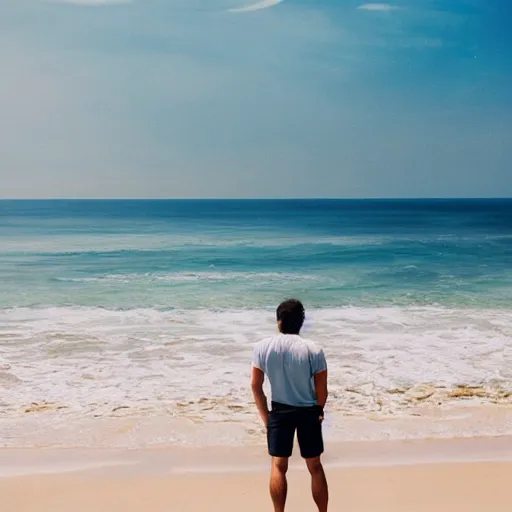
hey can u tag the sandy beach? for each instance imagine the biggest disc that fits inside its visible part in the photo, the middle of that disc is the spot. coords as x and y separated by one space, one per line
457 475
453 488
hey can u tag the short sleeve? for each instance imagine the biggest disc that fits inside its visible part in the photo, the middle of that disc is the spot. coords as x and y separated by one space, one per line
258 361
318 362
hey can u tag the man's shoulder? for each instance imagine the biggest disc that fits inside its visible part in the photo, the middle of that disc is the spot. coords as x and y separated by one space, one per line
313 346
265 342
282 340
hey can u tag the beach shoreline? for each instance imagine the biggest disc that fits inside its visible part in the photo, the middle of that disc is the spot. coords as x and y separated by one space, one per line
126 333
46 426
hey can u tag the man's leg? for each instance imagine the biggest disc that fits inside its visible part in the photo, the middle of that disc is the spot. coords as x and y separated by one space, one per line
318 483
280 434
278 483
309 433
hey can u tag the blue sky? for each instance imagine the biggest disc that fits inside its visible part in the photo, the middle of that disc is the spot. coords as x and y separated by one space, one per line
307 98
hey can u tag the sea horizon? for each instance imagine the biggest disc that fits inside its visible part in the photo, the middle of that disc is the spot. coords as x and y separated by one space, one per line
262 199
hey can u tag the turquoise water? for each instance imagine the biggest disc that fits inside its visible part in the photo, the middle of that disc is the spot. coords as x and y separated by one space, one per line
247 254
142 311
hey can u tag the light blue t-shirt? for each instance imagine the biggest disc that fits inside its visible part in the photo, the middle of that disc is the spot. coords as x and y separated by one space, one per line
290 363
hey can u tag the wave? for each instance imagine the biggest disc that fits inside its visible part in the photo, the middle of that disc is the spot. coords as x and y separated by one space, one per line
90 245
454 346
186 277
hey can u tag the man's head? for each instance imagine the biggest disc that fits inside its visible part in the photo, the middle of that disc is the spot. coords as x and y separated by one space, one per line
290 316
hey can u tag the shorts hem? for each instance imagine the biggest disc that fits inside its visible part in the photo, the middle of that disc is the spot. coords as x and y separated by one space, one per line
313 455
280 455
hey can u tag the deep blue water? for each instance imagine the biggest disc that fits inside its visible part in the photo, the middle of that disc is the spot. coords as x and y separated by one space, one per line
251 254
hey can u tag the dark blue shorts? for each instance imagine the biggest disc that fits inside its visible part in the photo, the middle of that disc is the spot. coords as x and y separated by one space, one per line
284 420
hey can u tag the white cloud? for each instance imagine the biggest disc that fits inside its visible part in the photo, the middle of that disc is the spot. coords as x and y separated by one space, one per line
264 4
378 7
91 3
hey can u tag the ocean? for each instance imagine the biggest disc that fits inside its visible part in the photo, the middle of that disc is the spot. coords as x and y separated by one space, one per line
132 322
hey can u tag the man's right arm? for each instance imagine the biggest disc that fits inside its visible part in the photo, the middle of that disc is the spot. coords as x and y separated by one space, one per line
257 380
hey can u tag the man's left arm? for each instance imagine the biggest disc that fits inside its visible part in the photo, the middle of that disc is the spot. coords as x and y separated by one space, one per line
257 380
320 379
321 388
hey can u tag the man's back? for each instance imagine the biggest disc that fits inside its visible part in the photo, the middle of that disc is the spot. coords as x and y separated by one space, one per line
290 362
297 372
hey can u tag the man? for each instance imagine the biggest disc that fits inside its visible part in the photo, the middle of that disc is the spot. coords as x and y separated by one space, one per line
297 371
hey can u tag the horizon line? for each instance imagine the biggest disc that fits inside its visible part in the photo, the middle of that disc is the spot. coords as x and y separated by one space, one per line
298 198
